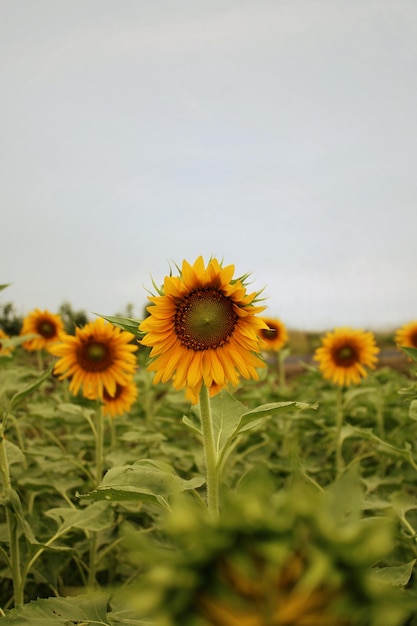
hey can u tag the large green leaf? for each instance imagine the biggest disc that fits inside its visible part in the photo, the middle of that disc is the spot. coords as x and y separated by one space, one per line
125 323
84 610
397 576
143 480
94 517
411 352
20 395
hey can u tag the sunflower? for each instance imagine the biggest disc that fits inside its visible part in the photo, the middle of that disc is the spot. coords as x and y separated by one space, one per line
4 351
344 353
275 336
97 359
48 326
406 336
121 402
203 329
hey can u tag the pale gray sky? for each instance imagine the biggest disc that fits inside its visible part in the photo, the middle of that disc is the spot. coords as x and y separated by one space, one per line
279 135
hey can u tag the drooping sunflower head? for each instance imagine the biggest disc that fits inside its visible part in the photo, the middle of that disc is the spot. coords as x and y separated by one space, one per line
275 336
48 326
4 351
285 560
344 355
122 401
406 336
203 328
96 359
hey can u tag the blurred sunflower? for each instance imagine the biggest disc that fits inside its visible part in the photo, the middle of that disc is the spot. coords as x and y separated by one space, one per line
275 336
203 329
285 560
48 326
345 353
97 359
122 401
3 350
406 336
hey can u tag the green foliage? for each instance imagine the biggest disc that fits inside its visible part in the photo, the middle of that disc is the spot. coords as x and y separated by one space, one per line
10 320
72 319
139 531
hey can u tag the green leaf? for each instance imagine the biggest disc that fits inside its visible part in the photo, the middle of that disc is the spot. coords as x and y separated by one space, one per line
226 416
94 517
14 453
413 410
143 480
271 408
397 576
83 610
125 323
20 395
4 286
411 352
345 497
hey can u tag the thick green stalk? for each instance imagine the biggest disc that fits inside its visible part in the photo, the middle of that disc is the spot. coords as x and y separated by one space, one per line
99 445
339 426
212 473
281 370
99 436
11 522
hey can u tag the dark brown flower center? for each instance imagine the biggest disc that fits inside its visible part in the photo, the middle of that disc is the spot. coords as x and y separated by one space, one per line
46 329
345 356
205 319
107 397
413 339
269 334
94 356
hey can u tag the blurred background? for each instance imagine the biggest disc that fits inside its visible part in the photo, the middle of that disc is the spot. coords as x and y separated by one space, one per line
277 135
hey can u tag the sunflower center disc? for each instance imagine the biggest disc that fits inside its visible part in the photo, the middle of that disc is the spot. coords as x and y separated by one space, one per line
269 333
118 393
95 357
205 320
413 340
346 356
46 329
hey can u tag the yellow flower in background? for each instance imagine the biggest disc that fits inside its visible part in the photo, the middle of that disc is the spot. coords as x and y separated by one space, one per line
275 336
48 326
345 353
203 329
4 351
122 401
97 359
406 336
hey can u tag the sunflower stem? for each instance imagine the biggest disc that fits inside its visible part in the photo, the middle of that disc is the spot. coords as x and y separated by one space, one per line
11 522
39 356
281 370
212 474
339 426
99 444
99 436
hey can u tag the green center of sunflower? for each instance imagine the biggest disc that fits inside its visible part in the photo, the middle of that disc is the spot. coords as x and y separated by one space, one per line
205 319
46 329
94 357
345 356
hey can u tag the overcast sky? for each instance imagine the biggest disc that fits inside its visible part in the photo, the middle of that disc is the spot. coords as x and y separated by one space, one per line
277 135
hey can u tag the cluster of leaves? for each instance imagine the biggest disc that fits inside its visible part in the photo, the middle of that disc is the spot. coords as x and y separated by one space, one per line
73 533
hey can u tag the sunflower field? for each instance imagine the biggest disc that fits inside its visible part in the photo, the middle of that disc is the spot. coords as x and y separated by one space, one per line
171 471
